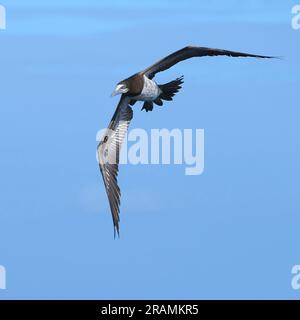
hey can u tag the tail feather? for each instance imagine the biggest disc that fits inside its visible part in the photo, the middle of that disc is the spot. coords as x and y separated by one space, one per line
169 90
158 102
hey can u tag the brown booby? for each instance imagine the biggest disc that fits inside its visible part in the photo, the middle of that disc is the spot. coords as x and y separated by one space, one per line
142 87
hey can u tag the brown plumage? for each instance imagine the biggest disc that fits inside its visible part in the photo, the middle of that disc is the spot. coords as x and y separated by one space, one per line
135 84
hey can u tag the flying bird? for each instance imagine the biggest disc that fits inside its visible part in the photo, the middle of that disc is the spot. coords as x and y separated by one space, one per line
142 87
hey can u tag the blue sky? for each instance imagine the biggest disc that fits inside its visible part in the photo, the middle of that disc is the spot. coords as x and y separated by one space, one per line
232 232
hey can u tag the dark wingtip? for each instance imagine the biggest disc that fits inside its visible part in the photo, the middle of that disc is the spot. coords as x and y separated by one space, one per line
270 57
279 57
116 231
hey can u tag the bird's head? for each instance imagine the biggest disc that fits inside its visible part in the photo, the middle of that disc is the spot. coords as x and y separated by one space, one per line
120 88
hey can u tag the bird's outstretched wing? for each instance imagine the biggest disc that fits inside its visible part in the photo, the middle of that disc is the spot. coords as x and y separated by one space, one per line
108 155
190 52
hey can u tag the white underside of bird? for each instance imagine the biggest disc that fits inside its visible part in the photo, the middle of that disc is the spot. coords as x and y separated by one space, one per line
150 92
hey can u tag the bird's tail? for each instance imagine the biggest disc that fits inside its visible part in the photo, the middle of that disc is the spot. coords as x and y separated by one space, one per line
169 90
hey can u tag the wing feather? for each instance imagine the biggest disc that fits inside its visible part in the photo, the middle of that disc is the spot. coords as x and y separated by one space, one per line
190 52
109 153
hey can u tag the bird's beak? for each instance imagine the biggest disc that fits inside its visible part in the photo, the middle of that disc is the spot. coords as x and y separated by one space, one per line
119 90
114 93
